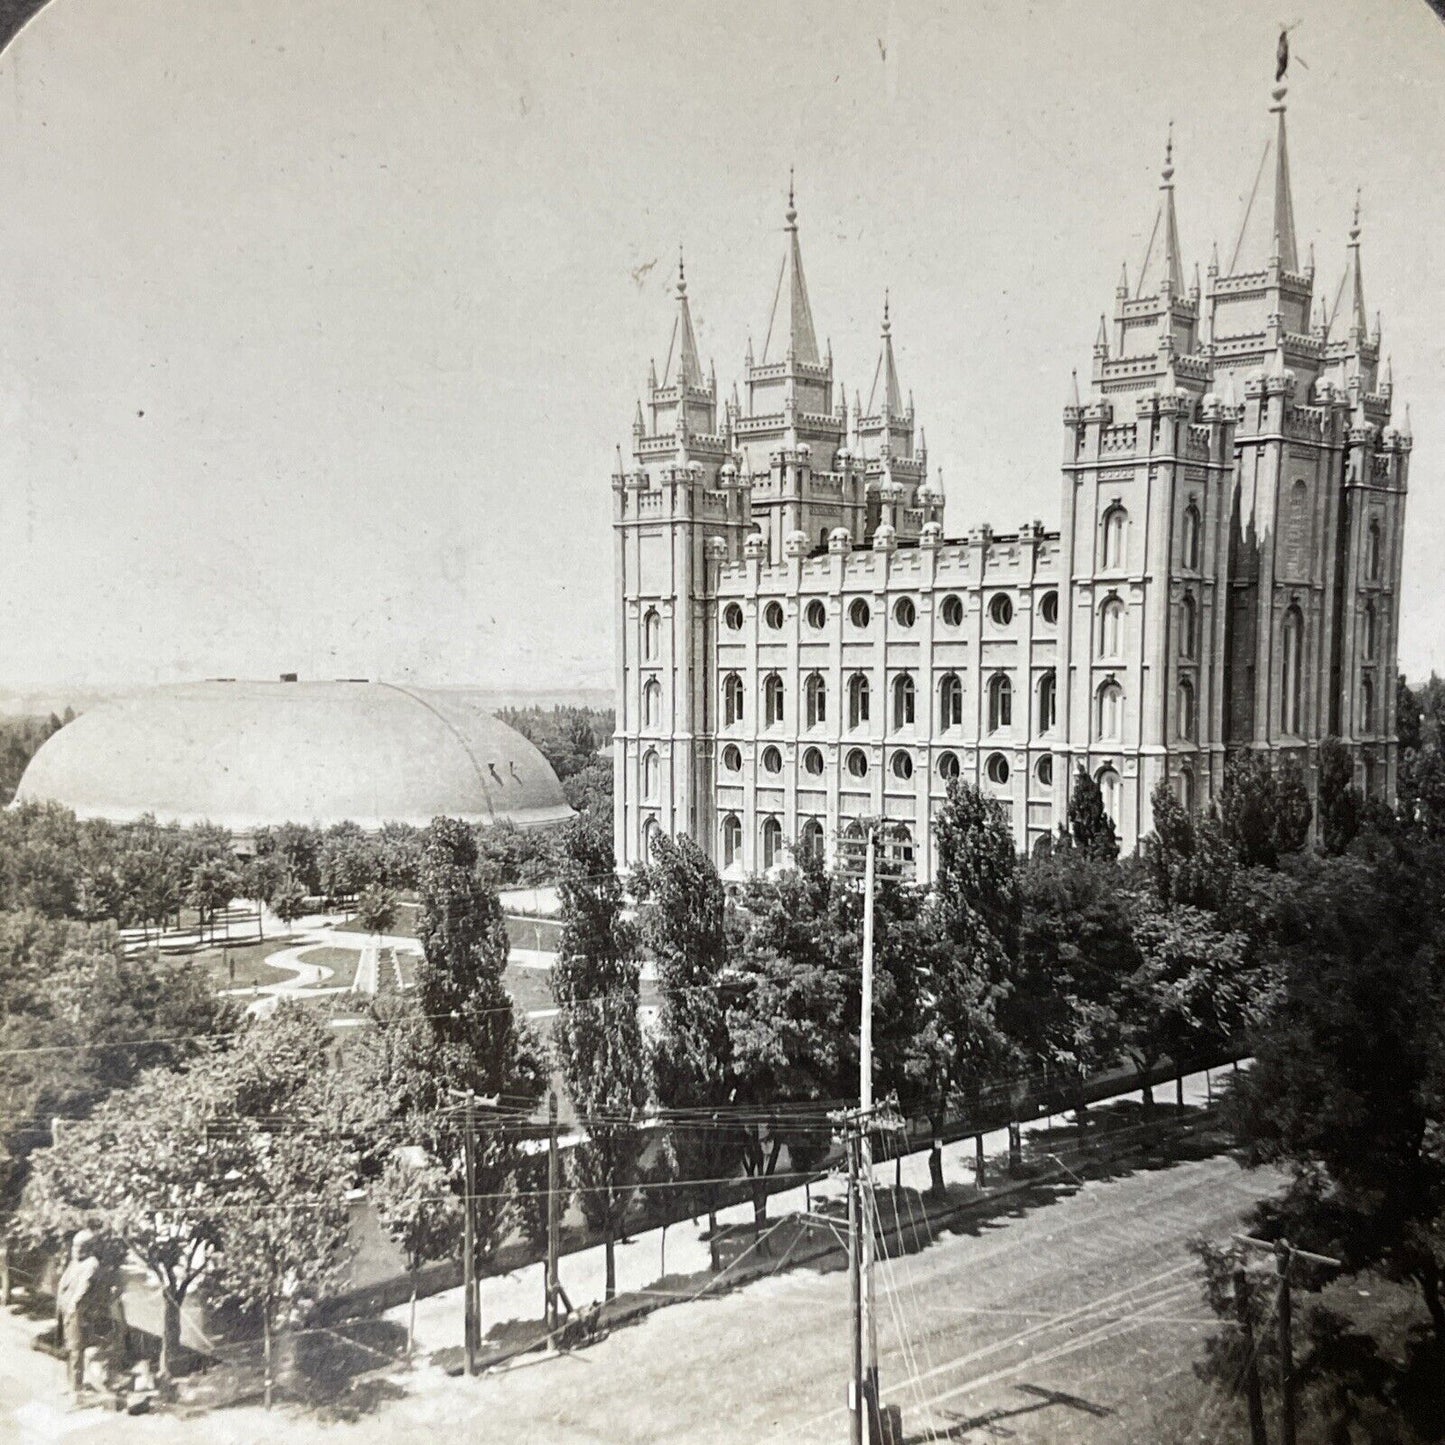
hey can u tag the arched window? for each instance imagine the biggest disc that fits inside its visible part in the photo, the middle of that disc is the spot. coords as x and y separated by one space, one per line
772 841
1367 706
905 614
952 610
904 698
1044 771
950 701
817 615
1000 702
773 616
1108 781
1190 538
857 763
649 775
733 617
1373 549
651 832
901 764
1188 626
813 762
732 699
948 766
1291 678
772 760
1048 702
997 768
811 839
1109 712
732 759
1369 777
1001 609
1111 628
858 613
1186 710
652 703
1186 789
772 700
1368 632
651 635
1296 531
900 843
732 840
1116 533
1049 608
815 695
857 700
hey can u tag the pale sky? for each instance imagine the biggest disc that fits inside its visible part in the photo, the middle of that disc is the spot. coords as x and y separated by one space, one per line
318 321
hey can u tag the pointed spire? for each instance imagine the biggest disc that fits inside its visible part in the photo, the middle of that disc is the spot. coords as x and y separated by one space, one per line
638 425
1406 430
1267 230
652 373
689 369
1123 287
1101 341
1074 391
790 327
886 393
1194 284
1162 265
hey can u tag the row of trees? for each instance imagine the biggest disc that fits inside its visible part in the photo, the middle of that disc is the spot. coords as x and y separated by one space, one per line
143 874
20 740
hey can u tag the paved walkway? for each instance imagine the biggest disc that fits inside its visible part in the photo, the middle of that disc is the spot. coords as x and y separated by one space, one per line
681 1249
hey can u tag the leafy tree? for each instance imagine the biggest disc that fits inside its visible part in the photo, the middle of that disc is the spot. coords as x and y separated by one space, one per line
787 1019
213 883
682 912
262 878
1346 1088
597 1039
299 849
977 911
1342 805
1168 850
20 739
416 1207
1264 813
1076 947
1186 990
285 1236
290 901
376 910
589 789
479 1040
1090 826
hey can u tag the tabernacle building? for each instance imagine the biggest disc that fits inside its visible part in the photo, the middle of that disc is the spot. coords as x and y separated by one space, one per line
801 643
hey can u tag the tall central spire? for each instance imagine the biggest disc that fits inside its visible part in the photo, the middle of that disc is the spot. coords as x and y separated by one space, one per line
1161 259
790 327
886 393
684 341
1268 227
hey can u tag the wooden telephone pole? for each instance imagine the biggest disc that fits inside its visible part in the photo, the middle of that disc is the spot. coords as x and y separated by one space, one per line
1285 1255
471 1295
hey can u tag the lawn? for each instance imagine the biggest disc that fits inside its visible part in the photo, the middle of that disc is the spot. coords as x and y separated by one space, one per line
248 960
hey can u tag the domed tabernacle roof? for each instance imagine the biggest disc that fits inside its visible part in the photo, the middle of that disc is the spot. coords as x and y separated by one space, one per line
247 754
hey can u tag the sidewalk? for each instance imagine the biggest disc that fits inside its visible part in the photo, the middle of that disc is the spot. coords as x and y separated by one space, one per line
680 1249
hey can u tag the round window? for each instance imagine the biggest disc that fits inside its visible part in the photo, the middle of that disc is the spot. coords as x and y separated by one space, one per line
1001 609
953 610
773 615
905 614
817 615
732 759
997 768
733 617
947 766
772 760
1049 608
858 763
902 765
1044 771
813 762
858 613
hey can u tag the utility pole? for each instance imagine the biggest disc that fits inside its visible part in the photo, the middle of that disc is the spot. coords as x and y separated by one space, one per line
1285 1255
1257 1433
867 1223
855 1295
472 1305
552 1220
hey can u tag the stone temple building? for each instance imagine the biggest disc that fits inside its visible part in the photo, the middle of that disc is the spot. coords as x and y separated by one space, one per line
803 640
